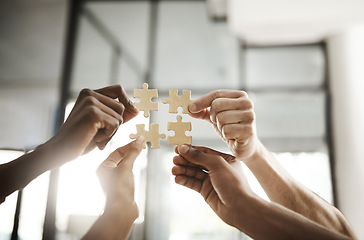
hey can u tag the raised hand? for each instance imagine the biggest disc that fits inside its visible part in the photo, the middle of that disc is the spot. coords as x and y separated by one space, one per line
231 113
117 180
93 120
218 177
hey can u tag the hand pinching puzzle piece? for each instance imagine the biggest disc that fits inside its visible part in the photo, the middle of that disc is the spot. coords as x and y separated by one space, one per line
153 136
176 101
146 96
179 129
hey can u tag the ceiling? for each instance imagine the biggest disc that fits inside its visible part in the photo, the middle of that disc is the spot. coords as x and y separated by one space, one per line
31 42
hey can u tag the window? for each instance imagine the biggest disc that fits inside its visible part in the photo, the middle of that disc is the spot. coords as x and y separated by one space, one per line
176 44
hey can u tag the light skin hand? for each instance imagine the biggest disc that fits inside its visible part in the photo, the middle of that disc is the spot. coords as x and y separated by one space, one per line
231 113
117 181
93 121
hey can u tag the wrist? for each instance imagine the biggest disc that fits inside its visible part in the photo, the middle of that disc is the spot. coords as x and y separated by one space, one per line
245 211
120 212
259 153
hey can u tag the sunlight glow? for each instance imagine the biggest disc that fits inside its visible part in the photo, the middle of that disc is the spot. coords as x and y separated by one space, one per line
80 196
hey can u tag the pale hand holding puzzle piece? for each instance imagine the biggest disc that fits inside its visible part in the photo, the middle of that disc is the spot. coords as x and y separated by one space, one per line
153 136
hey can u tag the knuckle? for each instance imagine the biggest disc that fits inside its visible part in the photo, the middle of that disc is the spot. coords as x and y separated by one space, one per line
226 130
90 100
120 108
217 103
246 103
221 119
115 124
86 92
248 131
120 119
216 94
118 89
92 111
250 117
194 153
243 93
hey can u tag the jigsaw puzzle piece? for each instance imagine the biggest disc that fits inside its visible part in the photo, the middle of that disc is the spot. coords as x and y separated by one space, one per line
176 101
153 136
179 129
146 96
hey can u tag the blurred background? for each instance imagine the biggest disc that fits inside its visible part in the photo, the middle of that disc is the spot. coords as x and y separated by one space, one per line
301 63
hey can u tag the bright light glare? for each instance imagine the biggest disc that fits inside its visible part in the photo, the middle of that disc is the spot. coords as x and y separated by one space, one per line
80 195
311 169
7 209
33 208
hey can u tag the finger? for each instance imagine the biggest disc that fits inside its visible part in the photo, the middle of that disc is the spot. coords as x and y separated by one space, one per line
234 117
179 160
92 105
205 101
227 157
109 102
204 115
131 153
114 158
189 171
189 182
106 124
226 104
209 161
118 92
238 132
101 145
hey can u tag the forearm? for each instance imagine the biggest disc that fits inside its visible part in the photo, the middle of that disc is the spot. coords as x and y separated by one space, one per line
18 173
281 188
115 223
265 220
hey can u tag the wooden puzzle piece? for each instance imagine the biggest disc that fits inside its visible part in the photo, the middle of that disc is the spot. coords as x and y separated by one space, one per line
176 101
151 136
146 96
179 129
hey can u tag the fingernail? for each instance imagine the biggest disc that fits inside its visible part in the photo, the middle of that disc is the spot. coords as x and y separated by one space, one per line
192 107
183 149
140 140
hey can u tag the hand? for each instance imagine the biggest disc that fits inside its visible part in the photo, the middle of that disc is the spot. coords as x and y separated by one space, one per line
231 113
218 177
93 121
116 176
117 181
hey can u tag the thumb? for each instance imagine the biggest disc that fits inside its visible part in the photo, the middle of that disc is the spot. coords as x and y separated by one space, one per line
204 159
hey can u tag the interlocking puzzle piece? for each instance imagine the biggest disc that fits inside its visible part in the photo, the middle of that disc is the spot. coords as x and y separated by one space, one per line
146 96
151 136
179 129
176 101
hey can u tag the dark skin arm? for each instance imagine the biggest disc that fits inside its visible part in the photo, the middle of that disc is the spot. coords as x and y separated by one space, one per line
94 119
220 180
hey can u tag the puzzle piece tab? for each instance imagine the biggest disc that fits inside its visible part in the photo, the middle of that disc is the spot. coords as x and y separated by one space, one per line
146 96
179 129
153 136
176 101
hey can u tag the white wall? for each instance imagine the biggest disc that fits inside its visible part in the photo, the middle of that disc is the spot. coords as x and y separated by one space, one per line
346 59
